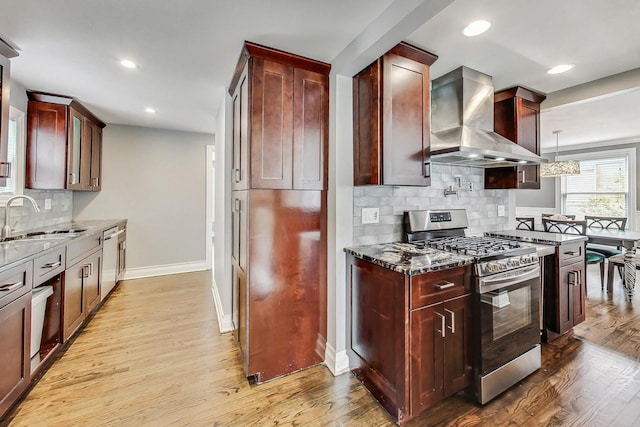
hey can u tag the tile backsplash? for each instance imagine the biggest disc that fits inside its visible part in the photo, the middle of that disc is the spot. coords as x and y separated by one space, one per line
481 205
25 218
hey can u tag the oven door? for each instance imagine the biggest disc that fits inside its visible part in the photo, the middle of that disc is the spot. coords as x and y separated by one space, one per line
509 311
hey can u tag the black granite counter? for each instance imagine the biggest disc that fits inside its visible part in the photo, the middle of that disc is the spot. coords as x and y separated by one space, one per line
408 258
542 237
19 250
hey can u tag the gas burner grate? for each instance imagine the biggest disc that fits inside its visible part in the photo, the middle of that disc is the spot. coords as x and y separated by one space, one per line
478 246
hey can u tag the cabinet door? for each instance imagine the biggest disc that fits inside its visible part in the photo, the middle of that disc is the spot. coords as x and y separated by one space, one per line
75 143
46 146
457 352
406 110
15 339
74 305
579 293
568 286
528 120
239 228
240 138
310 124
367 156
428 329
96 158
91 281
271 125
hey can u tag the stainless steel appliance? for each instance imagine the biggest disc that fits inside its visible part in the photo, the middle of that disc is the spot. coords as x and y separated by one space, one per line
506 297
462 124
109 260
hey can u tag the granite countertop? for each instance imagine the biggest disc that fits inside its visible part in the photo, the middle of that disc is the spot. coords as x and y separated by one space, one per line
407 258
542 237
13 252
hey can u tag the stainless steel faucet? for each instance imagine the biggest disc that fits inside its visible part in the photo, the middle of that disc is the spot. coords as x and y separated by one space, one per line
6 229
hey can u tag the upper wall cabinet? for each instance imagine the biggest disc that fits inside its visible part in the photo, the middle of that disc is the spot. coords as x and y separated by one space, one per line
391 119
280 107
64 144
517 117
6 53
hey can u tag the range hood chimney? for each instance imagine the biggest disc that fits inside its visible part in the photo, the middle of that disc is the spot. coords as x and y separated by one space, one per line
462 124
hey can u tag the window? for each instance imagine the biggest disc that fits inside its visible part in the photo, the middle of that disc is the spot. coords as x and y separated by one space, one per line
15 156
603 187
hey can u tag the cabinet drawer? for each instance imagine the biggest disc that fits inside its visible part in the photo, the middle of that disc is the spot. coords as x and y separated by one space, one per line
571 253
81 248
48 265
437 286
15 282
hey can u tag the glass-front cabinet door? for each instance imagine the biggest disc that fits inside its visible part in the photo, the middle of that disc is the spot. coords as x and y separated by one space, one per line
76 138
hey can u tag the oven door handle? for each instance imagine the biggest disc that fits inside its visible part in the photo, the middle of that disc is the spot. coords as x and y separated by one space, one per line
508 278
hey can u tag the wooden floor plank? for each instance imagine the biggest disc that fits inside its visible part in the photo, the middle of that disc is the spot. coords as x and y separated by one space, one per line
153 356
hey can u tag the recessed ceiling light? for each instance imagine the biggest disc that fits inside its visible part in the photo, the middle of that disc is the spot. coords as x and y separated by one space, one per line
522 162
562 68
128 64
476 28
499 159
150 110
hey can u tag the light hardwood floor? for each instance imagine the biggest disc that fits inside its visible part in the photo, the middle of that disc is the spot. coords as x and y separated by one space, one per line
153 356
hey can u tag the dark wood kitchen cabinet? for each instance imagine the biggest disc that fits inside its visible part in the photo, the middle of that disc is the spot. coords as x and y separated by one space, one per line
81 292
15 333
64 144
517 118
409 341
279 210
391 119
564 290
280 105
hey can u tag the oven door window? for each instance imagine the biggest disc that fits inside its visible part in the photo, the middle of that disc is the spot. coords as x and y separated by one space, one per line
509 322
510 310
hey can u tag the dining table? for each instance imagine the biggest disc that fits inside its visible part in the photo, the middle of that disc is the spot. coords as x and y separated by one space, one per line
626 239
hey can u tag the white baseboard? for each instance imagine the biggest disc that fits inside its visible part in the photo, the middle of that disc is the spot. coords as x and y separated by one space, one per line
338 363
162 270
224 320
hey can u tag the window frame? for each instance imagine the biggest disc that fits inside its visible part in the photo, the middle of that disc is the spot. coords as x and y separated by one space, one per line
19 167
630 153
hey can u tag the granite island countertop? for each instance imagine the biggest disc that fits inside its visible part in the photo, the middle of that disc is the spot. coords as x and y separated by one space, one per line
408 258
545 238
19 250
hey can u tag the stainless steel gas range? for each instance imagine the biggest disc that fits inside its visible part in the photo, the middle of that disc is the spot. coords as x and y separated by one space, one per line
506 297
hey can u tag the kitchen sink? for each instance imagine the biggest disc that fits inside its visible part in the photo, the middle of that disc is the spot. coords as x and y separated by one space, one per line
42 236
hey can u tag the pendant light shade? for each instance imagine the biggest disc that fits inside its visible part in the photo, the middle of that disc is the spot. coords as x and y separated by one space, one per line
559 168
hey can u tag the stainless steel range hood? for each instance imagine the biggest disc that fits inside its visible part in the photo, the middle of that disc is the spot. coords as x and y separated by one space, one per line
462 124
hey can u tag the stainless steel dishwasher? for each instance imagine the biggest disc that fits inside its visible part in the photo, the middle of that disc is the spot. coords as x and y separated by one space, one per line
109 260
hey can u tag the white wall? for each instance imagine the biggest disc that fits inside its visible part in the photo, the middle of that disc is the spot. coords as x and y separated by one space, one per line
222 254
156 179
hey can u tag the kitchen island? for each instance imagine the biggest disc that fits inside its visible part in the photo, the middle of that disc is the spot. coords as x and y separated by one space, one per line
563 278
409 328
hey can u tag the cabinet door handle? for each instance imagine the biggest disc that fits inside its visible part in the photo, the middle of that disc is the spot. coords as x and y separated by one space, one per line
10 286
237 205
453 320
523 177
52 264
238 175
72 178
442 324
427 169
6 165
445 285
96 181
575 275
572 253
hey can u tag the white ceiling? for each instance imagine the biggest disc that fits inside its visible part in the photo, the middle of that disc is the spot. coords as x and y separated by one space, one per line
187 51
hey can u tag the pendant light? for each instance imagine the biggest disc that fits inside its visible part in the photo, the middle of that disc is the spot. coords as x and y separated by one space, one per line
558 168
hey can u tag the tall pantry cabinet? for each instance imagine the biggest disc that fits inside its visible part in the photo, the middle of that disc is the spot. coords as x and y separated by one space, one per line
280 105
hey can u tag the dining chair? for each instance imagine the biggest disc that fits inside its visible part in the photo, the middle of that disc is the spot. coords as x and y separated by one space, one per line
618 261
605 223
547 215
572 226
525 223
